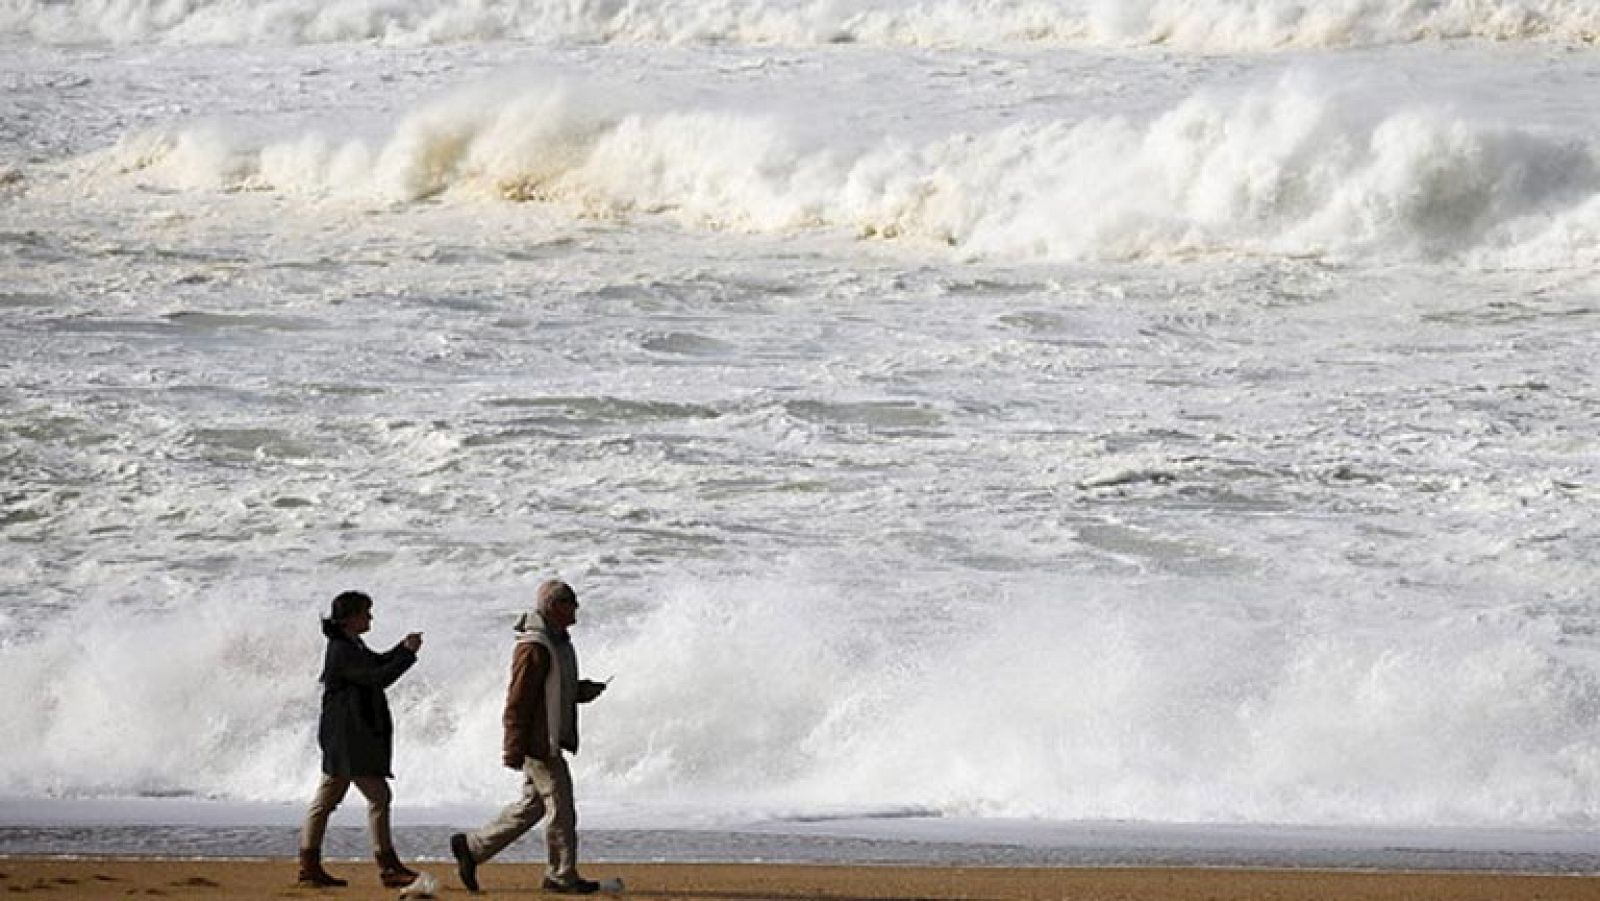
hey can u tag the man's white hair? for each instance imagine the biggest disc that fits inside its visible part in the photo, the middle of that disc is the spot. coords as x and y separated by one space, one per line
551 592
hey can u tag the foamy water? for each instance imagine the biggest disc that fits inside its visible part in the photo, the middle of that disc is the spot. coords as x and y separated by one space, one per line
1210 26
1160 412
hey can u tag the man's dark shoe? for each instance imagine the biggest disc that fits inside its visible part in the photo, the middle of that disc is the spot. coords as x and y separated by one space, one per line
312 875
466 867
575 887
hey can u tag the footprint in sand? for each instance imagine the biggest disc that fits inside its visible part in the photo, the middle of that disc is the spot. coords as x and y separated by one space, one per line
196 882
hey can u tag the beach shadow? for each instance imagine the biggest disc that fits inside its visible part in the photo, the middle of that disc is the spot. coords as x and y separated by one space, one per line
42 885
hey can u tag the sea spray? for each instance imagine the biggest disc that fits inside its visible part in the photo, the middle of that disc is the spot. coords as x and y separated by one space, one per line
1070 701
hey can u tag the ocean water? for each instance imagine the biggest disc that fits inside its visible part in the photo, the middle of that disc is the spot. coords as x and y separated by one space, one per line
978 412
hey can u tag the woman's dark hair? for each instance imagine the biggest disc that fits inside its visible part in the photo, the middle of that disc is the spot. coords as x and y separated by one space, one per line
348 604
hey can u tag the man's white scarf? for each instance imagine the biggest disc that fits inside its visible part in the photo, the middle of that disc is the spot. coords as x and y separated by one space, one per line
560 682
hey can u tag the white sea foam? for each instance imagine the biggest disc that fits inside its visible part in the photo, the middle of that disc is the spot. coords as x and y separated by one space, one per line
1090 706
1256 24
1077 703
1212 26
1293 170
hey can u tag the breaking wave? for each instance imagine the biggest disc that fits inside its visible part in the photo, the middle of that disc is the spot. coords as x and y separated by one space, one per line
1208 26
1286 170
1076 701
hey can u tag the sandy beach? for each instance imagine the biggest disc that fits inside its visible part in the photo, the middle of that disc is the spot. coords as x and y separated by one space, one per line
247 880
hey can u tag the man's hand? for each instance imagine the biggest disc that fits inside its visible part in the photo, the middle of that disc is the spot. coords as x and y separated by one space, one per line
413 642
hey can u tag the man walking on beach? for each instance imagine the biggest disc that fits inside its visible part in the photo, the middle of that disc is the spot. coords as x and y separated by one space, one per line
541 720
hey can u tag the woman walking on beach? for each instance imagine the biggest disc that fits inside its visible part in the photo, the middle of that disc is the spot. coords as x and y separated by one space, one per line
357 737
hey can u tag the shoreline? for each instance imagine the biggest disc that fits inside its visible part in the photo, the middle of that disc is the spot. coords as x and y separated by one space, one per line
260 879
195 829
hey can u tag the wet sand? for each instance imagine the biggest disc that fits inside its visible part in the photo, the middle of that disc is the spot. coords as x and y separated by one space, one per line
92 879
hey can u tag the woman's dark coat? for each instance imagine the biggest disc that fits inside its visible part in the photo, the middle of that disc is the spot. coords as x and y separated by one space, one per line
356 732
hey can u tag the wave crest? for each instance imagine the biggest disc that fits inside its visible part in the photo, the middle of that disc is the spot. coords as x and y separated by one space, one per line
1287 170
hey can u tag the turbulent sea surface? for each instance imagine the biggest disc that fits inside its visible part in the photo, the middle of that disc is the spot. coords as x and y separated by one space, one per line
1172 413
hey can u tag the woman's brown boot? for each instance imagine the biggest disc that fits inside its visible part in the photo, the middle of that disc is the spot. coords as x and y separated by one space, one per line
391 871
313 875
